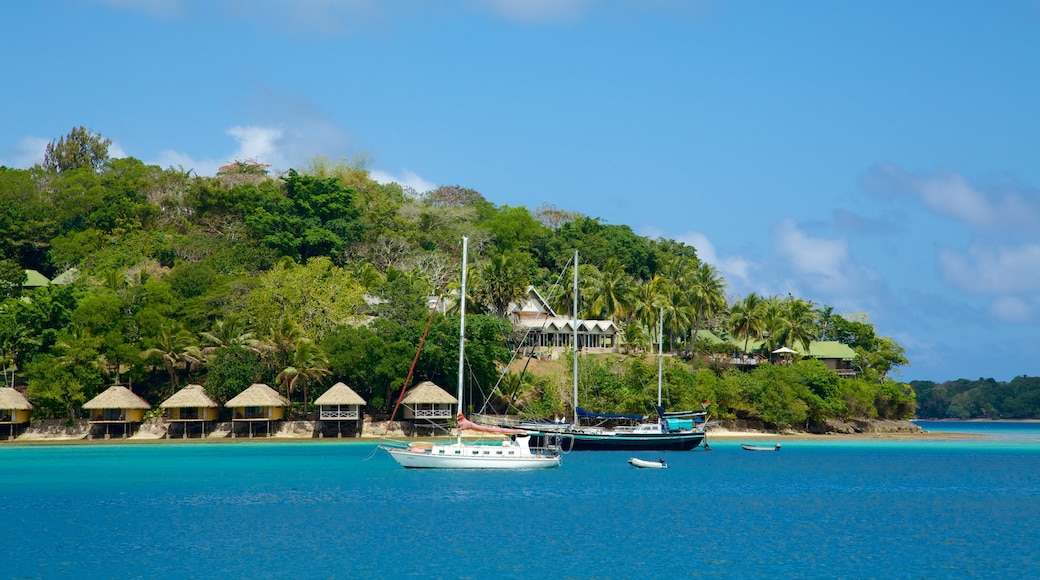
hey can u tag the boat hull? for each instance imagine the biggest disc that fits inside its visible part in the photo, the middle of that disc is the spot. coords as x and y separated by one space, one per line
582 441
427 460
644 464
747 447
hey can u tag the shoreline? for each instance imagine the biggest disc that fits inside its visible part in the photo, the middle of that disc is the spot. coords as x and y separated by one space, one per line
715 433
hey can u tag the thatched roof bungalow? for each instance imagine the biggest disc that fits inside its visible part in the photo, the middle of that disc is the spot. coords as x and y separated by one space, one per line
259 404
339 404
15 410
428 401
116 406
190 407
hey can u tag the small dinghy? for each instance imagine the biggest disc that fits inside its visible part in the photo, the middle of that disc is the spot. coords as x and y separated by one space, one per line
644 464
760 447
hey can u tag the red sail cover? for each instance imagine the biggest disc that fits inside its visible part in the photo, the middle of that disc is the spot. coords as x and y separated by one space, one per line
466 424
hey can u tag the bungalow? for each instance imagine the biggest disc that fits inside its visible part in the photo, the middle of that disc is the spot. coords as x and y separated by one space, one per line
189 408
427 405
119 407
836 355
545 331
338 405
15 411
257 405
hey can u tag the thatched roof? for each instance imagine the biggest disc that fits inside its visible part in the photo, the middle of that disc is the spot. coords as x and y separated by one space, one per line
12 399
189 396
339 394
427 393
117 397
258 395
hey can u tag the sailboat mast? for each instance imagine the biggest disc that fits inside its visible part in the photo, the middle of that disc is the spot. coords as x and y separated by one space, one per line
660 352
462 326
575 330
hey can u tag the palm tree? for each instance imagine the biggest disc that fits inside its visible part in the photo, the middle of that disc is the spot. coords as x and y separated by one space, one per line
825 319
229 332
650 297
745 318
706 289
309 364
281 340
171 346
800 326
501 281
610 291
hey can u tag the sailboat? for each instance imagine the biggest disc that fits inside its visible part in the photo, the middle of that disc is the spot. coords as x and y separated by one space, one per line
513 453
674 431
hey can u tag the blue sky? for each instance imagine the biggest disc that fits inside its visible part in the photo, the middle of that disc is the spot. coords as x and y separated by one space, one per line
880 157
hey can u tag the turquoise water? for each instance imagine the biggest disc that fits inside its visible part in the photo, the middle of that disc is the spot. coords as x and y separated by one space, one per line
876 508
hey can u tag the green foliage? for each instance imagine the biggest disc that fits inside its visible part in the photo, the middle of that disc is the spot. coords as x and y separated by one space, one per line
983 398
319 296
79 149
316 217
12 276
166 258
232 370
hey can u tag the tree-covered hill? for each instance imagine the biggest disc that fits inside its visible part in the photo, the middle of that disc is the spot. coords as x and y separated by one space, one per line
322 274
981 399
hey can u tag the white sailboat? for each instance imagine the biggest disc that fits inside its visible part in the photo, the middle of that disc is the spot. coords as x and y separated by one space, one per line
512 453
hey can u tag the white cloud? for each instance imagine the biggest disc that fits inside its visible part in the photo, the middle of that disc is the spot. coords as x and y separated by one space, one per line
730 266
28 152
820 258
263 144
986 269
954 197
1012 309
409 179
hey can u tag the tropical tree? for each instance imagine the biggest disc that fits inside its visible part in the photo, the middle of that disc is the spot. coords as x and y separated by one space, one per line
746 318
230 332
650 298
172 346
80 148
309 364
610 292
500 281
706 290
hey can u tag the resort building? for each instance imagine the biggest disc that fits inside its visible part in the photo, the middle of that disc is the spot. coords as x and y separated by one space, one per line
116 409
544 331
338 406
836 355
257 406
15 412
428 406
189 411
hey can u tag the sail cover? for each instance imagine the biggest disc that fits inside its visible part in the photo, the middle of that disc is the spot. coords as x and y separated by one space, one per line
467 425
589 415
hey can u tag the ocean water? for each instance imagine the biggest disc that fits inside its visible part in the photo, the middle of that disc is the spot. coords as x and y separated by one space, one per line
878 508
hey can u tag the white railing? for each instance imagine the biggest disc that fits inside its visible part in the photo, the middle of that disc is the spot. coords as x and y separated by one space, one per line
432 412
353 414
